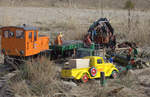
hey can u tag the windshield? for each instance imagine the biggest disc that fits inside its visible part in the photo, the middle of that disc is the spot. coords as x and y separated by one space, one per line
19 34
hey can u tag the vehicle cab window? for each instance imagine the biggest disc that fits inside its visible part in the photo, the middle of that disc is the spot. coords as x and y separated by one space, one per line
6 34
35 36
11 34
99 61
19 34
30 35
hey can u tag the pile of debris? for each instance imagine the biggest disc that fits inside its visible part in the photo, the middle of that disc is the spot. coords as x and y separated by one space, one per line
128 52
101 33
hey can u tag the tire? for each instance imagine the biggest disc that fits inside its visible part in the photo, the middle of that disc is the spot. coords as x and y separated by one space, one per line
93 71
8 61
5 61
114 74
84 78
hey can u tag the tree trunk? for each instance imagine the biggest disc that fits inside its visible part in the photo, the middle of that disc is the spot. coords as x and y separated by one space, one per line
129 20
102 10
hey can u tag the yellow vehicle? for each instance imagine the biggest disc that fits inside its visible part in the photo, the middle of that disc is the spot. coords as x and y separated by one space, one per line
96 65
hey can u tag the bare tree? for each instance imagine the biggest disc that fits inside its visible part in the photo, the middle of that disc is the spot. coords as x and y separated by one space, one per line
129 5
102 8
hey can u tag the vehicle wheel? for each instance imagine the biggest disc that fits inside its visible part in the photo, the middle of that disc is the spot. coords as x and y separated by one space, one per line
84 78
5 61
114 74
93 71
8 61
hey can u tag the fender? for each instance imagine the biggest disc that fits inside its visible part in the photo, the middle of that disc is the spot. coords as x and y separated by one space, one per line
79 75
110 71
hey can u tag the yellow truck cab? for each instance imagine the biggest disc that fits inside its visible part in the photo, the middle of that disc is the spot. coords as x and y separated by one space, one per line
88 68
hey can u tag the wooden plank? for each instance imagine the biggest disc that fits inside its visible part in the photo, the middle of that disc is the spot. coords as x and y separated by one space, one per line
119 49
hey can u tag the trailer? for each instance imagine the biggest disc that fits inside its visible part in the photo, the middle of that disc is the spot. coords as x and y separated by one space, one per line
67 49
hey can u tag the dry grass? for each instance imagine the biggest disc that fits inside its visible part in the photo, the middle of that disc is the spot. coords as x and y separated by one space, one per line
74 22
139 32
117 4
41 79
71 23
127 80
36 79
40 68
71 28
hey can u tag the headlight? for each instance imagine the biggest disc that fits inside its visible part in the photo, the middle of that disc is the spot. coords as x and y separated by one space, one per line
22 52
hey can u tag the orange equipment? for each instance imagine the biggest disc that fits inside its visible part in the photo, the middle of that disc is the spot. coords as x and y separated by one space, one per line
22 41
58 40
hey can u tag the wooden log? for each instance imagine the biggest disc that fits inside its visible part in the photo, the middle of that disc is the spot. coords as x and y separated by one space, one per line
119 49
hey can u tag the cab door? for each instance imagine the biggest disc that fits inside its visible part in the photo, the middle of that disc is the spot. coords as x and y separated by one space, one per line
100 66
30 40
35 40
32 43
